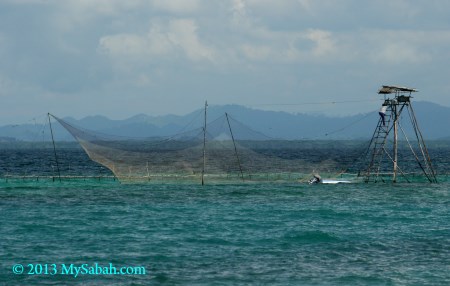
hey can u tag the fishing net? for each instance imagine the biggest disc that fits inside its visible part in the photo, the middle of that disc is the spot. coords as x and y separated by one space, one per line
222 150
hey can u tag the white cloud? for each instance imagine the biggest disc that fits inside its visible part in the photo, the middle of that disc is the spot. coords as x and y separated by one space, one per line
163 40
239 16
75 13
259 53
244 47
183 33
405 46
154 43
398 53
324 44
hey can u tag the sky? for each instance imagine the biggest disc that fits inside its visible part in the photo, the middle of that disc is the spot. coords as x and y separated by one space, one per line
121 58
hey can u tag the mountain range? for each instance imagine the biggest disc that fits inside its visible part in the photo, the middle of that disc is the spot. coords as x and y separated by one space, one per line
433 119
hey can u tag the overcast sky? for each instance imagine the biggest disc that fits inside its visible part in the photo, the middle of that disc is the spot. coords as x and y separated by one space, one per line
119 58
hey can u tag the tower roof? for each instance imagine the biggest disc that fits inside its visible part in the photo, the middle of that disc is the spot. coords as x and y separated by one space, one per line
387 89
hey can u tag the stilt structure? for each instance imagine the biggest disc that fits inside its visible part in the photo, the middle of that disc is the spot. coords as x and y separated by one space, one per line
383 153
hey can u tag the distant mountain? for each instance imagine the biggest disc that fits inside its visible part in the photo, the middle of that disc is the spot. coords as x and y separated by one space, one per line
434 122
434 119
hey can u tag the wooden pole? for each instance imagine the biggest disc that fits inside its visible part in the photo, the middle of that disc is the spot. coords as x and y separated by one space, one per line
235 149
54 147
394 107
204 146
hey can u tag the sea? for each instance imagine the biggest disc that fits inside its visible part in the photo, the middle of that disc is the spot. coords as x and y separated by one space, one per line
266 233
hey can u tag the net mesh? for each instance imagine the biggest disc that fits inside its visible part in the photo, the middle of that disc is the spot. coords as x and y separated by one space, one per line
226 150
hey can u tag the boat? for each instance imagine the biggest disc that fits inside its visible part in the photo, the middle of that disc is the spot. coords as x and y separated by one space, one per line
316 179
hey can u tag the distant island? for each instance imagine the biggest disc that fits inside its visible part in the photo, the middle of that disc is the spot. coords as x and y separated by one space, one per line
433 120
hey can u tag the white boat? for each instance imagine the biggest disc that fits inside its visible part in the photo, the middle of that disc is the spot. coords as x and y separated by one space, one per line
316 179
325 181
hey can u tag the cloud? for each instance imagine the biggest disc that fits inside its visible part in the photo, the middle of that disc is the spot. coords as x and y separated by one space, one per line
142 47
163 40
258 53
76 15
396 53
238 9
290 47
324 44
183 33
26 2
233 50
396 47
263 44
177 6
252 40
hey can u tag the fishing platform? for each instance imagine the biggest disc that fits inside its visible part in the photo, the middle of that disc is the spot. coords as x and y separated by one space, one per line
384 150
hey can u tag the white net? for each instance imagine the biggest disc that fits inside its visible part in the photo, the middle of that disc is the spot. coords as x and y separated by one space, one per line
227 151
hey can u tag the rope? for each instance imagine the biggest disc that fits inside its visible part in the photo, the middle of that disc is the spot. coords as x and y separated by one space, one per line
314 103
349 125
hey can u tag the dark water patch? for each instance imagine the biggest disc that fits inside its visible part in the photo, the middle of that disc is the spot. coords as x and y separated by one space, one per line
310 237
355 279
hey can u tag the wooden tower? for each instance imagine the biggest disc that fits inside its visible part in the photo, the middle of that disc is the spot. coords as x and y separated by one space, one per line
383 152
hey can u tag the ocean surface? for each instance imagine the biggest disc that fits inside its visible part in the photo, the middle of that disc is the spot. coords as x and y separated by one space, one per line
217 234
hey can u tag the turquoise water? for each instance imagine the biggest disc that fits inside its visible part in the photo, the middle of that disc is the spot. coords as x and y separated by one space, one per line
229 234
186 234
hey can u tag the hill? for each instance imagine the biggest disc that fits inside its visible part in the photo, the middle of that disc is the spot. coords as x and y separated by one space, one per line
433 120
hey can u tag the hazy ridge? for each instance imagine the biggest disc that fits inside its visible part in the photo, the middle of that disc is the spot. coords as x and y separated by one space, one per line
433 120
